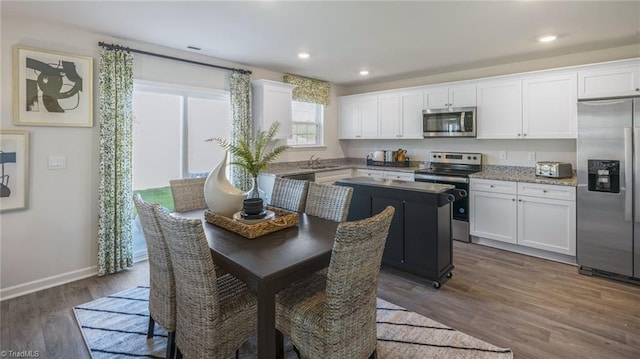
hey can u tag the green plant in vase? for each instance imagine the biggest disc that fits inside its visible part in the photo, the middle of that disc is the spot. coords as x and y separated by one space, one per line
254 155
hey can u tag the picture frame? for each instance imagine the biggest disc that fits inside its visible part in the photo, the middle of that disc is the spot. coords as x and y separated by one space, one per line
14 170
52 88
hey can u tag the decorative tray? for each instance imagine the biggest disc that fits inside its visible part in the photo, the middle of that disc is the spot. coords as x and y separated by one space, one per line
405 163
282 219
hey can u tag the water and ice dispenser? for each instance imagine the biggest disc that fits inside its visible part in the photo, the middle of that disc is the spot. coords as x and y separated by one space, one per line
604 176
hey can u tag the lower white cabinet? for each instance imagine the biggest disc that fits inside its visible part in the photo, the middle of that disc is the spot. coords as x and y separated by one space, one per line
392 175
330 177
534 215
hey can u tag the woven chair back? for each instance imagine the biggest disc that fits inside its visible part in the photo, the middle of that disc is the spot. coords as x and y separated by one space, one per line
188 194
290 194
329 201
162 292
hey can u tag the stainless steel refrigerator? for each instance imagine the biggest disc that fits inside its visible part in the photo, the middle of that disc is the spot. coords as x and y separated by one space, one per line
608 193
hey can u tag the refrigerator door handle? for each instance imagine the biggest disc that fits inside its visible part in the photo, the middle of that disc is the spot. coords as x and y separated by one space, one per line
636 164
628 174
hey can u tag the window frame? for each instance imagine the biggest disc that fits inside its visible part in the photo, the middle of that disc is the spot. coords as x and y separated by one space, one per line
318 123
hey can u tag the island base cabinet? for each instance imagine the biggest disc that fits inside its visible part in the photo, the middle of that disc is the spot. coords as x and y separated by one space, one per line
419 240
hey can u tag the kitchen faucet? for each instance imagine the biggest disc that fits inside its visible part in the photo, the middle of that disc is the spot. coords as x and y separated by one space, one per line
314 162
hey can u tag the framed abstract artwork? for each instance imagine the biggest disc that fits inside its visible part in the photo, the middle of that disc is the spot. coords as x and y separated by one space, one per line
52 88
14 168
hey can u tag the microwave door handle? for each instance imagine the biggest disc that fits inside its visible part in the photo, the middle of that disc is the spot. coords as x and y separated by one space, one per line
628 174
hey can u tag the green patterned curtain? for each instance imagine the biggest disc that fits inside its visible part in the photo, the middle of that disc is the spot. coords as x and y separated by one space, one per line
115 248
309 90
241 123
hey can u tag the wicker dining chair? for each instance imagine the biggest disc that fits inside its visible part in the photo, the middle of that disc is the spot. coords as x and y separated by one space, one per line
328 201
188 194
162 289
215 314
334 316
289 194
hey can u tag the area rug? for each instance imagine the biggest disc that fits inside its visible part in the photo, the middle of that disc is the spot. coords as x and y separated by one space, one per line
116 327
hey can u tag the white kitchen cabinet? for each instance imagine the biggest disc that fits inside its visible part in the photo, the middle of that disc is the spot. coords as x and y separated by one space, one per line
527 214
548 224
493 209
359 117
549 106
272 103
399 176
499 113
378 174
389 110
400 115
443 97
609 80
330 177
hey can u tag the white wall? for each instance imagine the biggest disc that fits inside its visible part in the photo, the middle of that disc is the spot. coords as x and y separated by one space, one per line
55 239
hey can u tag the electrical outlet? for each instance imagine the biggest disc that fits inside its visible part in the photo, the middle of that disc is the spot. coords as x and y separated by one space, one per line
503 155
532 156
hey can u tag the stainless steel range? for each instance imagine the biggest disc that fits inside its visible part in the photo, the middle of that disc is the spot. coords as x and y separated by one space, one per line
453 168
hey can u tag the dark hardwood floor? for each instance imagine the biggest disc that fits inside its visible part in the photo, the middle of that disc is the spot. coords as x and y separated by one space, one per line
538 308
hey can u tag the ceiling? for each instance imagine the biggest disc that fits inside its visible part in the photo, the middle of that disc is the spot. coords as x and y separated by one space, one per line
393 40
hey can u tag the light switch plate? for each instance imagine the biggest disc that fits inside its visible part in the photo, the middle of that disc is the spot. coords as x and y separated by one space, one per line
532 156
57 162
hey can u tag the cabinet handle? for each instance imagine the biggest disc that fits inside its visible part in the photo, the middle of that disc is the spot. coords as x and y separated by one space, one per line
491 186
518 135
544 191
357 135
519 200
513 199
638 89
524 134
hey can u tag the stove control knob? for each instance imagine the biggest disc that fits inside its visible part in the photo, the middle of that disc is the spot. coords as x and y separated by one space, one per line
475 158
434 156
468 157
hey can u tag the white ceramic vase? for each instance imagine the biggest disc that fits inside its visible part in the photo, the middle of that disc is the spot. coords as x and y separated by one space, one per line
221 196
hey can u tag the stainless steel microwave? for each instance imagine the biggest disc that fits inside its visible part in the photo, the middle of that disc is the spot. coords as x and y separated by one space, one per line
453 122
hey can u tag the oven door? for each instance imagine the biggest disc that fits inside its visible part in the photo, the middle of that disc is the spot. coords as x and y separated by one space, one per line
460 210
459 122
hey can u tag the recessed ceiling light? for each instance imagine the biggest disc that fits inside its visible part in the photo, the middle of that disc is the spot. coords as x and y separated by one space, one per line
303 55
547 38
364 72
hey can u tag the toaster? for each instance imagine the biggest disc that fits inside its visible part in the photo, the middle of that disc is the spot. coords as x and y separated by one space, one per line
554 169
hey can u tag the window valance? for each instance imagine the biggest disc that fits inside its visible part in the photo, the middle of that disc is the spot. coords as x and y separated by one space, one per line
308 90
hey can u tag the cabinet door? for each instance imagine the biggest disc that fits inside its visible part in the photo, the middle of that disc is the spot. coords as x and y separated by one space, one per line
368 106
493 216
394 246
436 97
330 177
547 224
609 81
550 107
500 109
411 121
389 110
462 96
349 118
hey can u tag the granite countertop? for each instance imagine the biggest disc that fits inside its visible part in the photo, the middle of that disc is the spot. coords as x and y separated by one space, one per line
302 167
401 185
521 174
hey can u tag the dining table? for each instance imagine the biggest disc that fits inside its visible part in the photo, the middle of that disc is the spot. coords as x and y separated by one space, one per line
270 263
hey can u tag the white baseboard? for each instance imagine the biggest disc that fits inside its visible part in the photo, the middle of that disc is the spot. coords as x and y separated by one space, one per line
534 252
44 283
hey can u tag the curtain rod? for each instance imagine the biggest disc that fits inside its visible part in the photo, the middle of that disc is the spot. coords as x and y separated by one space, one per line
119 47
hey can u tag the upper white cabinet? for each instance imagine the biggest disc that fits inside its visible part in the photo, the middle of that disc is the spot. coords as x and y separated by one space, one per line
400 115
549 106
499 110
272 103
359 117
609 80
442 97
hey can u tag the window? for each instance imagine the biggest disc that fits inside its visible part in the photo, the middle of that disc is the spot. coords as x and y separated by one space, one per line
306 126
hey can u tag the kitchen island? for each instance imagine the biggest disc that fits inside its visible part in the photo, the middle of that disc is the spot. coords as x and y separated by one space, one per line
419 240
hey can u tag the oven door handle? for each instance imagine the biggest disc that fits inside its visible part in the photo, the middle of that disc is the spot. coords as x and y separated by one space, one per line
421 177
